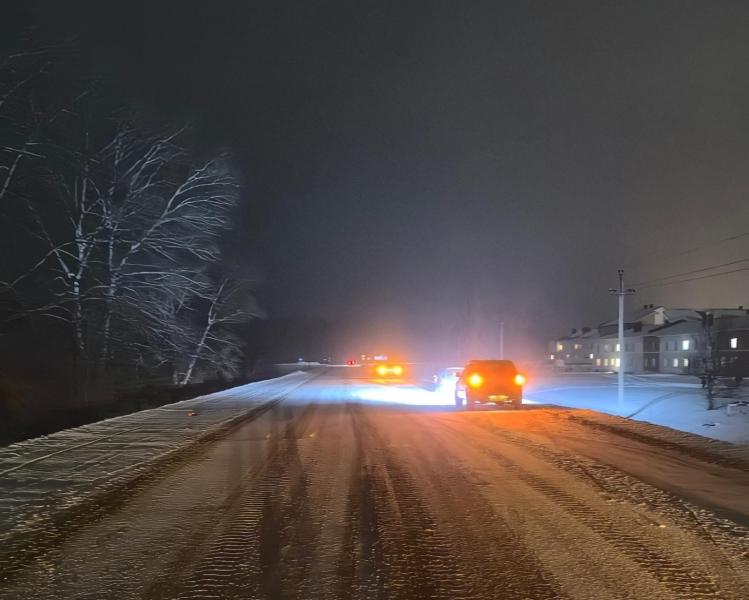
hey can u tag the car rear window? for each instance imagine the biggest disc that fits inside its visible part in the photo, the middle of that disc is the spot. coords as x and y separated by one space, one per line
497 367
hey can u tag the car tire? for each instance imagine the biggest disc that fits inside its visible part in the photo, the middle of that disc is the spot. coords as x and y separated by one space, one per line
517 403
458 402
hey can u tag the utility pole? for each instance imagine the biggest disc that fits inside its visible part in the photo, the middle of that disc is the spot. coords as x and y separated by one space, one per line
621 292
501 340
708 378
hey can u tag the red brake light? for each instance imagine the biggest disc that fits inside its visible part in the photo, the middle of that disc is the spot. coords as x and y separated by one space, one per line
475 380
519 379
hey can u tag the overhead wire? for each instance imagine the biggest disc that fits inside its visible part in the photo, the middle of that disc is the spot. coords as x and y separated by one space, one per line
687 251
692 272
695 278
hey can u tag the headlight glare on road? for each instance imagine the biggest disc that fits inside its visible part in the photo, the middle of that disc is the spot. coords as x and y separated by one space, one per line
475 380
519 379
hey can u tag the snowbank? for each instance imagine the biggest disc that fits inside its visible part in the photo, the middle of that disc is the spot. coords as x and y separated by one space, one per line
60 470
672 401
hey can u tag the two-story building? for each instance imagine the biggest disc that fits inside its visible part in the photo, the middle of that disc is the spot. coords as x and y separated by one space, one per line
658 339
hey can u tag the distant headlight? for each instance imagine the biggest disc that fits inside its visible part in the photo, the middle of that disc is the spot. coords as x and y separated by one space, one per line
519 379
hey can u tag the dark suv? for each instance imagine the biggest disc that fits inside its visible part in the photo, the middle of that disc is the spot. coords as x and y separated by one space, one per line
496 381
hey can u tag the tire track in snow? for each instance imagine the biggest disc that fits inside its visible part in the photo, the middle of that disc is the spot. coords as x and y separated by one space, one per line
426 510
359 565
730 538
249 558
414 556
701 452
670 572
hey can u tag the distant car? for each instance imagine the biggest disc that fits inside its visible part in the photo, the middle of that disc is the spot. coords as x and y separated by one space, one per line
389 371
485 381
446 379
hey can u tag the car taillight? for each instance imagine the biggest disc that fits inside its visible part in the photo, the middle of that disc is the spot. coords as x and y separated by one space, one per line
475 380
382 370
398 370
519 379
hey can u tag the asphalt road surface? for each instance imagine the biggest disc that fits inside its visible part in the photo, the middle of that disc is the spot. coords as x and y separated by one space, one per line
343 491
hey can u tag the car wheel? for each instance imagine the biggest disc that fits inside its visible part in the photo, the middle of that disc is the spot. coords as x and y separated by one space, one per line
458 401
517 403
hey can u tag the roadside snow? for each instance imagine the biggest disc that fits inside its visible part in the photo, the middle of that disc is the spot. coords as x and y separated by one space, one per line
668 400
60 469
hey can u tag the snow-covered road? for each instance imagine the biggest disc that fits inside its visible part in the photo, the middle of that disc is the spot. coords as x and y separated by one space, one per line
352 490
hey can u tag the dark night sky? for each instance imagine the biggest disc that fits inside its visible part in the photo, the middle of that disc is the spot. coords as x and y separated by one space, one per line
410 158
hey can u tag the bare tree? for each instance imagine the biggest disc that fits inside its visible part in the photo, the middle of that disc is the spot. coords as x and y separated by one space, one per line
27 107
17 113
163 221
120 226
228 302
132 228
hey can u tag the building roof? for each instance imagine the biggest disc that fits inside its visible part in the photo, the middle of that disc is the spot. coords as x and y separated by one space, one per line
628 333
634 316
583 332
688 319
675 314
681 327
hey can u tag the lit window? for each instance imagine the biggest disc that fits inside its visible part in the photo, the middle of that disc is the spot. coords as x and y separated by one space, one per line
605 362
560 346
551 357
685 344
598 362
615 362
590 356
578 346
676 362
734 342
684 362
617 347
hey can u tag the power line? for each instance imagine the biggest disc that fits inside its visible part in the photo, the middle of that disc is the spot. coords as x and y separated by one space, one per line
689 250
702 270
695 278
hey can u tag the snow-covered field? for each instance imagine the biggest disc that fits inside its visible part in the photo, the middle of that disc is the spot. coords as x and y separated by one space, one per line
669 400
